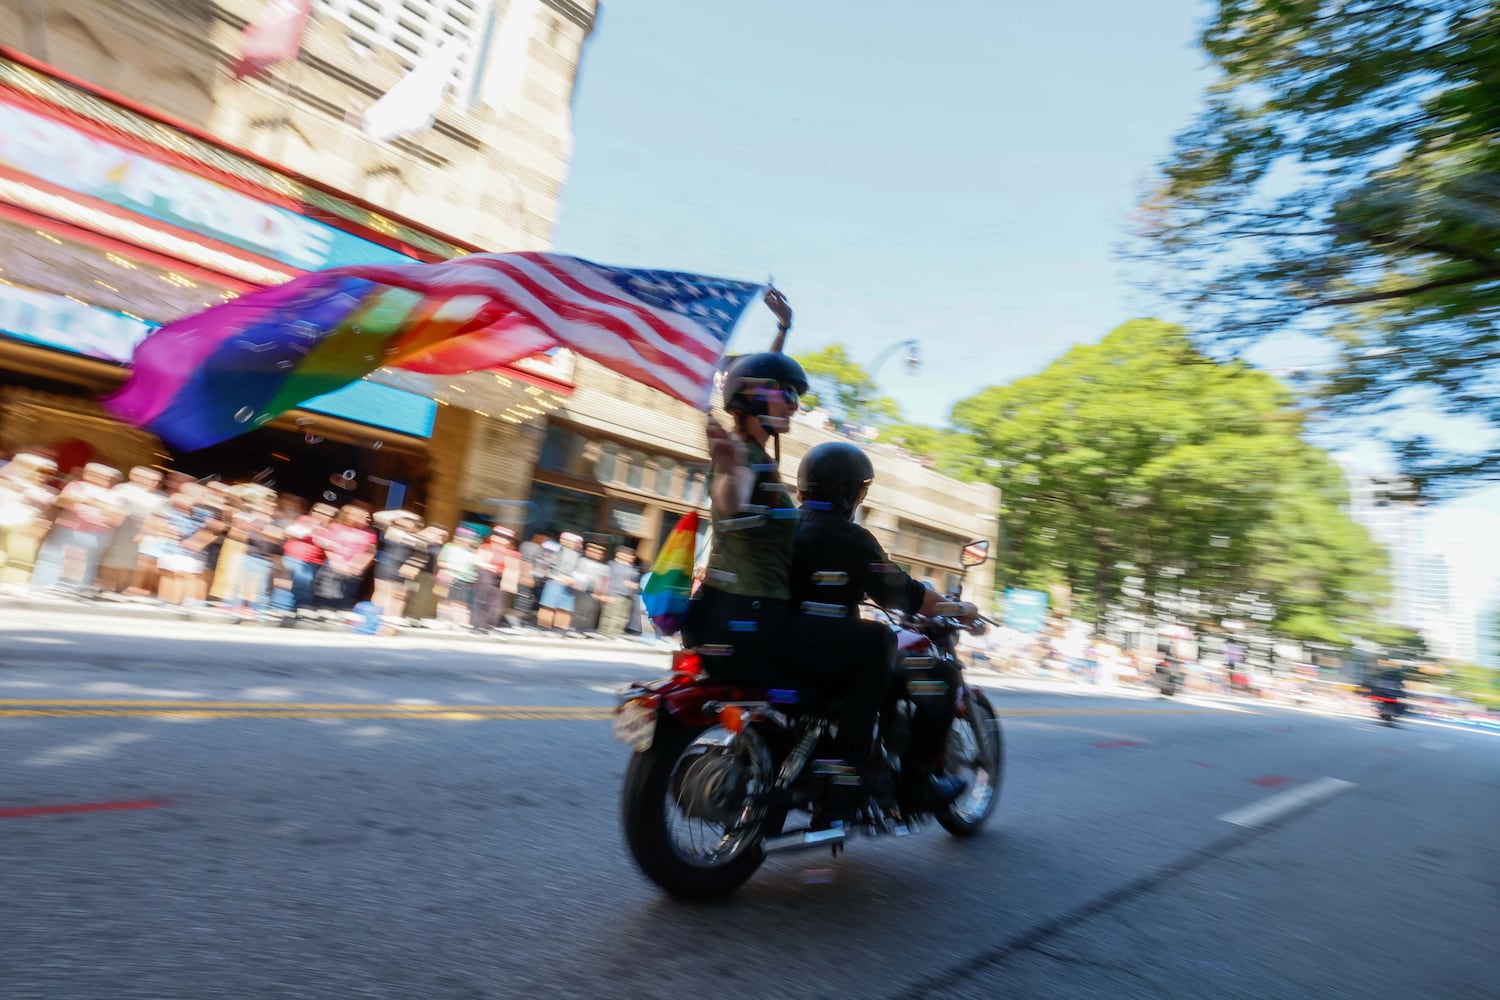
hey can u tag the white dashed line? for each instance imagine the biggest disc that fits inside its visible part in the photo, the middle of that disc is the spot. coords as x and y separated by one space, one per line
1437 745
1262 812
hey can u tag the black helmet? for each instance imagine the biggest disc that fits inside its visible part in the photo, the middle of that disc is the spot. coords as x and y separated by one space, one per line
755 371
836 473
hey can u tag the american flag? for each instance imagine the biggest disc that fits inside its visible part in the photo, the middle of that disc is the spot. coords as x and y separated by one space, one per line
666 329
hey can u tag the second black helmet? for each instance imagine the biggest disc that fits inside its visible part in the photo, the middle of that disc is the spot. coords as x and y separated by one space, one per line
836 473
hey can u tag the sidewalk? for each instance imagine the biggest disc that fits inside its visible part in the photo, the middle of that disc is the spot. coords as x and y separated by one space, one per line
13 611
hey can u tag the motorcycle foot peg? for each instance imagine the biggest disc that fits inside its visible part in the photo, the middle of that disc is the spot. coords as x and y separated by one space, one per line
837 772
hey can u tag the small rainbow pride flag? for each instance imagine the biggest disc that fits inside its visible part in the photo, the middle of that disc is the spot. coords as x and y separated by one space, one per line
666 592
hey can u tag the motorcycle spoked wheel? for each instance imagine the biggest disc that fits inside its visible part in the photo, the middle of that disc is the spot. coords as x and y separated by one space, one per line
694 809
976 753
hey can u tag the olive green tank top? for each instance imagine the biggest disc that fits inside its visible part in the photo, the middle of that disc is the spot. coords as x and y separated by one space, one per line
751 552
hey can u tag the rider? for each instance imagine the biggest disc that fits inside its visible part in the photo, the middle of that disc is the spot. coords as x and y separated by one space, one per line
741 620
837 564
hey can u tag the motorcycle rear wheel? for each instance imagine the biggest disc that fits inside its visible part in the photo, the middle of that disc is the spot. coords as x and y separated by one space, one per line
976 753
675 784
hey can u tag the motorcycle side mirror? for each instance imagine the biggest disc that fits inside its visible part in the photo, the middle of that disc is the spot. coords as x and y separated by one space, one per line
975 553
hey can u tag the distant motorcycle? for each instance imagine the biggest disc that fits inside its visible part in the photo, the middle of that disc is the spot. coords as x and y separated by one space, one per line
1168 677
1388 699
1388 707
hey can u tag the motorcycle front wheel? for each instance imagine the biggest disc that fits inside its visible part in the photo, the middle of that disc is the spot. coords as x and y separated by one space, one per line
976 753
694 808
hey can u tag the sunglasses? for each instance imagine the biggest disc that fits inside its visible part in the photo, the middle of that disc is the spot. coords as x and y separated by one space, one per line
774 391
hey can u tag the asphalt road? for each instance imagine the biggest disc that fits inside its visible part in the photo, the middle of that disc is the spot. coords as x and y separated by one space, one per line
232 812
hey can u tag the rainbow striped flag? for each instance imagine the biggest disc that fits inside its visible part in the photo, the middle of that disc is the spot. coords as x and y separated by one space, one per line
666 593
230 369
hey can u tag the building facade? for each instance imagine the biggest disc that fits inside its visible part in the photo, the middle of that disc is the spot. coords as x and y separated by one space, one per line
1386 506
139 181
619 462
490 170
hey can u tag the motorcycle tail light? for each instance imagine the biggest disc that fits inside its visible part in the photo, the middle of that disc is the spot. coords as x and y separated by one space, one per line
687 661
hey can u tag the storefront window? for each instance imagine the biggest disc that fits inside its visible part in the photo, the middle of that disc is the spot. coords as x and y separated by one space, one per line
666 474
930 545
555 509
604 471
635 475
628 519
694 485
558 449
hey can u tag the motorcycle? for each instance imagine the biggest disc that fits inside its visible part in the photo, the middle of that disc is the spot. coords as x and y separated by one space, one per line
1387 696
1169 677
1387 707
721 773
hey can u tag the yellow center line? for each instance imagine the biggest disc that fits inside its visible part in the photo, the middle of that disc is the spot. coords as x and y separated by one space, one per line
311 705
1021 712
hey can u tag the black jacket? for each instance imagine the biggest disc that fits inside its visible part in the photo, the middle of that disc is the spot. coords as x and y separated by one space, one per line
837 562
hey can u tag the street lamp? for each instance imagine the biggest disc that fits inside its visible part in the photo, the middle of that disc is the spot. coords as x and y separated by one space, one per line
913 359
913 362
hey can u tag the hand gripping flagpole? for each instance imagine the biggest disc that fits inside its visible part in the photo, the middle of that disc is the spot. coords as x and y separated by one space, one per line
781 331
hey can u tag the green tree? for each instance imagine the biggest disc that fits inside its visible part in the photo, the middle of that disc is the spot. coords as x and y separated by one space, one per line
1479 684
1402 643
1343 180
1138 470
948 451
841 386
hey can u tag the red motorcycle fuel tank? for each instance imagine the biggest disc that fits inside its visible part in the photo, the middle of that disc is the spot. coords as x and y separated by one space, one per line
913 643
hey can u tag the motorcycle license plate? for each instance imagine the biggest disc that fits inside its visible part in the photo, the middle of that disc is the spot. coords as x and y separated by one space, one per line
635 724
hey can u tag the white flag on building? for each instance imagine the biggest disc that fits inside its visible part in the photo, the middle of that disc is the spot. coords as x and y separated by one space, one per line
505 69
412 104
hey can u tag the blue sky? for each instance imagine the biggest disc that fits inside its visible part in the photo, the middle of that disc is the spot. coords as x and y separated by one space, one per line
960 174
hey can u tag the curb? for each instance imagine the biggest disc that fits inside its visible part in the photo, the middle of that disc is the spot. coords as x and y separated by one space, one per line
128 611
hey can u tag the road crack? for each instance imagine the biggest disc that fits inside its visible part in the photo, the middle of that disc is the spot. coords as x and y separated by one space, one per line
1033 939
1094 963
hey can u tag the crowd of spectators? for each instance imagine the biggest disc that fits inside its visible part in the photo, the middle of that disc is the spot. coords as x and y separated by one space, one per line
243 548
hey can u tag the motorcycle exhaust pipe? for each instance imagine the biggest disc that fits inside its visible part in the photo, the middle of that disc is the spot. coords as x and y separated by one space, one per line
807 838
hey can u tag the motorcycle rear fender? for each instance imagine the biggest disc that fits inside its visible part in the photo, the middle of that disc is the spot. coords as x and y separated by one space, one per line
684 697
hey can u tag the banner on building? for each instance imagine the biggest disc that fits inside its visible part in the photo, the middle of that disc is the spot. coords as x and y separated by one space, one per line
88 165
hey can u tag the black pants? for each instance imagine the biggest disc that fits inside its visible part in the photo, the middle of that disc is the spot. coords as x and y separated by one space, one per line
526 598
586 610
934 716
487 601
759 641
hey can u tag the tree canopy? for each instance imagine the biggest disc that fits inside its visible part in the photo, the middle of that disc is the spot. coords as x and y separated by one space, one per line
843 388
1343 180
1154 480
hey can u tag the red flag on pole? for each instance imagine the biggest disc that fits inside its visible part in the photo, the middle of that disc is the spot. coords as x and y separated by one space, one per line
275 36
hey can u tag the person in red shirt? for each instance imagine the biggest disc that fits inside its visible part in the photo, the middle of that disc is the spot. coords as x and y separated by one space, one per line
303 552
349 548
